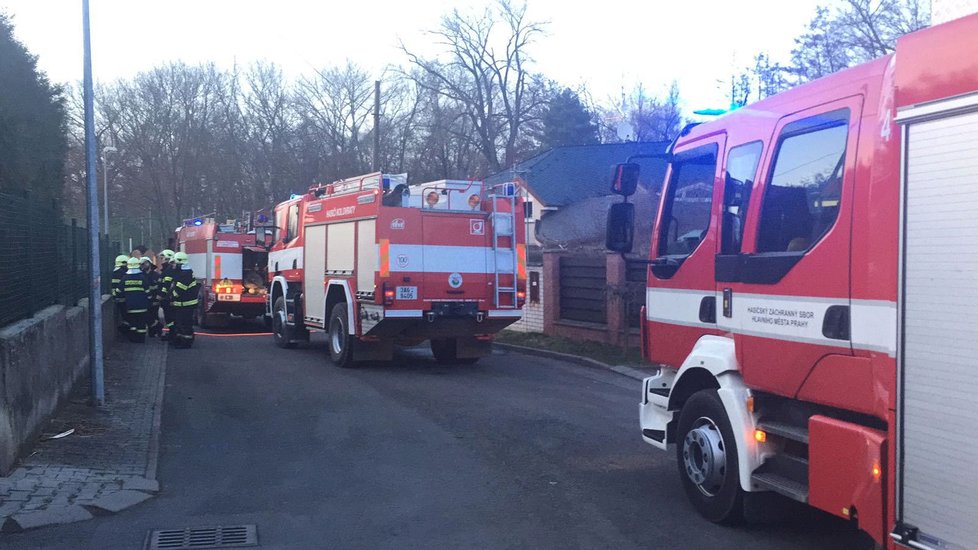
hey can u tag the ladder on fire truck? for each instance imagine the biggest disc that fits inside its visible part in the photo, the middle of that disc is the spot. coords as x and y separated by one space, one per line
503 229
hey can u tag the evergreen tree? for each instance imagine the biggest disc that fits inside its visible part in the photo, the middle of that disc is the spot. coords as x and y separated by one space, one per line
567 121
32 123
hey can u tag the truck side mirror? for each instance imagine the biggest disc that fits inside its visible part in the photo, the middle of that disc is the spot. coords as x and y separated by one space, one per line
624 178
620 231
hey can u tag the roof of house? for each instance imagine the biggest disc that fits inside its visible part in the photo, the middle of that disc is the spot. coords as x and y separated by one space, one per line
565 175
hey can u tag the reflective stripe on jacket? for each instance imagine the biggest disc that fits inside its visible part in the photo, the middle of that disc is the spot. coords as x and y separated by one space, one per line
135 292
185 289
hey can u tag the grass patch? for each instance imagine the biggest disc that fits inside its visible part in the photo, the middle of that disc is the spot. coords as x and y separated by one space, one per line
612 355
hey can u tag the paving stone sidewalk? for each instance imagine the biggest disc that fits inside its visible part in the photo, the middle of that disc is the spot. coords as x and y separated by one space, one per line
108 463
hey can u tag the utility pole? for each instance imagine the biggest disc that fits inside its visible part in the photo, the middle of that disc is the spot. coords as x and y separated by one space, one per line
377 125
94 263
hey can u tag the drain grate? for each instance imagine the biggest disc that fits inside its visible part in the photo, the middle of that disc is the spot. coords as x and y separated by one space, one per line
235 536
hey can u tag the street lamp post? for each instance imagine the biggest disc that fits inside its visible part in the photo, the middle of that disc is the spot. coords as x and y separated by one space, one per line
91 186
105 186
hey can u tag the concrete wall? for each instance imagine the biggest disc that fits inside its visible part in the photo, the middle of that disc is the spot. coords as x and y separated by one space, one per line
41 359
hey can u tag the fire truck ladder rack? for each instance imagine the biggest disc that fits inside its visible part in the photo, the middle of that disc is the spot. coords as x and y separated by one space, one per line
504 227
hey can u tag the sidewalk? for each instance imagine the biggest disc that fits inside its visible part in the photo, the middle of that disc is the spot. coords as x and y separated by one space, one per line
108 463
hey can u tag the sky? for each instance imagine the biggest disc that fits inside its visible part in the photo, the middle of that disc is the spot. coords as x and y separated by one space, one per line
606 46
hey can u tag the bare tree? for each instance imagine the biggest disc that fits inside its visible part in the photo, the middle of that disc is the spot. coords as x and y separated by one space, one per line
648 118
856 32
334 109
486 72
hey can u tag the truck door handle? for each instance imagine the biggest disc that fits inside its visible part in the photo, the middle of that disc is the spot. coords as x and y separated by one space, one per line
708 309
835 325
728 302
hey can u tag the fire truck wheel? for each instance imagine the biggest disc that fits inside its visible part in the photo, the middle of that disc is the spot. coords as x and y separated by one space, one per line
280 330
339 341
445 351
707 456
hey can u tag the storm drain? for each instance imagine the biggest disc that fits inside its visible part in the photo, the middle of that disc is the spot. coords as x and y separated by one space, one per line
235 536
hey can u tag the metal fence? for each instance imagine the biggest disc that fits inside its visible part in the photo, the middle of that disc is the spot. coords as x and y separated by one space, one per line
43 261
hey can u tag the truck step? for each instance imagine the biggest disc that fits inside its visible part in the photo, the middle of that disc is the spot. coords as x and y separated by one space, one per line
782 429
782 485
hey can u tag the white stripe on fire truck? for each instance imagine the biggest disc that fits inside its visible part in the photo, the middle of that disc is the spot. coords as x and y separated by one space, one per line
430 258
285 258
792 318
402 313
505 313
231 264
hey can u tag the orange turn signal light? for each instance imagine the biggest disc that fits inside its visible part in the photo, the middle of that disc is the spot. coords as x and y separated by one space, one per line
760 436
877 472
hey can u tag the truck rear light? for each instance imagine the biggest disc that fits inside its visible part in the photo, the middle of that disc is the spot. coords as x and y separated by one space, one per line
388 296
520 298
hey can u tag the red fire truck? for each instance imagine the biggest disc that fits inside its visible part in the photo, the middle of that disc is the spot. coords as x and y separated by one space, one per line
375 262
230 266
816 334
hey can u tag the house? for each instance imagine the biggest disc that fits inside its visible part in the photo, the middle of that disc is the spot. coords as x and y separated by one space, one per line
568 196
578 176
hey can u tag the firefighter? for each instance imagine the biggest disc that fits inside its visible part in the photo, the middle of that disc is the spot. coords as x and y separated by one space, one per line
118 298
137 296
154 327
183 301
166 281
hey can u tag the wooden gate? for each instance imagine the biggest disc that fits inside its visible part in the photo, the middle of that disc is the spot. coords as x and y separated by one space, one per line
583 280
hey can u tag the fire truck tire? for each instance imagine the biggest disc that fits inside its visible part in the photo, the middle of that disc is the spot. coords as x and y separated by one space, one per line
338 339
445 351
706 453
280 330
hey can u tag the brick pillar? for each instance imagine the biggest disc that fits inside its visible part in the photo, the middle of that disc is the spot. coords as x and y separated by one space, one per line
615 273
550 280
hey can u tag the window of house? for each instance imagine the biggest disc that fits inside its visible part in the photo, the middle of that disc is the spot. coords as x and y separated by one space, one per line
805 187
686 210
739 182
293 223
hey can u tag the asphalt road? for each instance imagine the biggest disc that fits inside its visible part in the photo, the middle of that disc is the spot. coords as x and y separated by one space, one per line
514 452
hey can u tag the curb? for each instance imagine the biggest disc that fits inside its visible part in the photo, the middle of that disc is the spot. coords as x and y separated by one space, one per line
630 372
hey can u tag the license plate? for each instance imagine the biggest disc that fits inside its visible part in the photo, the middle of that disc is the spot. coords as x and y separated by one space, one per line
228 297
407 293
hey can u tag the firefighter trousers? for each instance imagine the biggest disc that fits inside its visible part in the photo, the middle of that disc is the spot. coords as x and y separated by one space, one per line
153 321
168 319
183 326
121 324
136 319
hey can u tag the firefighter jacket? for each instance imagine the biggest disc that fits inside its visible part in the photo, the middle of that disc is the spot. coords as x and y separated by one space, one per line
166 282
185 289
153 283
117 290
136 291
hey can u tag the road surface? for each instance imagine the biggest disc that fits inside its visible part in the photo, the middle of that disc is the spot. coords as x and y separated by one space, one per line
514 452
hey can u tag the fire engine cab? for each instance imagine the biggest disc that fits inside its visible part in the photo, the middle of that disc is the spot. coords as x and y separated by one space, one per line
816 337
229 265
375 262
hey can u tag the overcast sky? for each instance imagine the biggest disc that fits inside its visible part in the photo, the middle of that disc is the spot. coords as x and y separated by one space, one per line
605 44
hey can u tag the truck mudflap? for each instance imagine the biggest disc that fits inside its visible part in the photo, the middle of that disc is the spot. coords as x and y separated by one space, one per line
846 472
